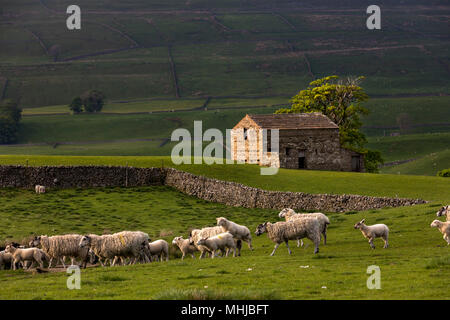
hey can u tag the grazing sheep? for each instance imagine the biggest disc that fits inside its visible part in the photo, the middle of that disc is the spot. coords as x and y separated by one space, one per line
185 246
444 228
198 234
5 260
22 255
60 247
284 231
158 248
223 241
374 231
126 244
290 214
444 211
239 232
39 189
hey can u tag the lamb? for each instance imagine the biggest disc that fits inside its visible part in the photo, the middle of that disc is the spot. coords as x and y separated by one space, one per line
126 244
284 231
444 228
62 246
39 189
185 246
290 214
223 241
374 231
158 248
239 232
198 234
5 260
22 255
444 211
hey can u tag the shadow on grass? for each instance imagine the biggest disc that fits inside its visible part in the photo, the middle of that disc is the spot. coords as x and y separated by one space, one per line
213 294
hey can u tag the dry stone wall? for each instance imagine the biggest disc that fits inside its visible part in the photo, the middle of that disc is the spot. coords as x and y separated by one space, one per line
229 193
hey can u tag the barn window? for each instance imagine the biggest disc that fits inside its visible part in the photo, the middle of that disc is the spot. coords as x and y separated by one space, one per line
245 134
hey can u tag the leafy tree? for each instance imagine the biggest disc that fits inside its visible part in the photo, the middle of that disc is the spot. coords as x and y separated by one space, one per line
10 115
76 106
93 100
341 102
10 110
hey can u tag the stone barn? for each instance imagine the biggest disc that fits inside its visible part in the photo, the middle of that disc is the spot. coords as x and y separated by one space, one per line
306 141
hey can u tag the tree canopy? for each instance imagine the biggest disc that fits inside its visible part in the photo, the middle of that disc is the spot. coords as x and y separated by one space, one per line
93 100
10 115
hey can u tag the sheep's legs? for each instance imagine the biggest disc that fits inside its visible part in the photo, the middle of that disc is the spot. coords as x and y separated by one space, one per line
287 245
371 243
325 237
386 244
249 242
276 247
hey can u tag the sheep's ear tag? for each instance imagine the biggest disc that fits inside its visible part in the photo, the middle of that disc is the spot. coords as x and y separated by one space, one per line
220 237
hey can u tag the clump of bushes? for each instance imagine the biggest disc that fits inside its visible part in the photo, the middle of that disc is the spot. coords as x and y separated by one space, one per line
90 101
444 173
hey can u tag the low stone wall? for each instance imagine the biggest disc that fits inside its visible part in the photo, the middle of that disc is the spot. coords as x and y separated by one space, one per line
239 195
79 176
229 193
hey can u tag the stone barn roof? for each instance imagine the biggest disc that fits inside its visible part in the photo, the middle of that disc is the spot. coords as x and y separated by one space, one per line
314 120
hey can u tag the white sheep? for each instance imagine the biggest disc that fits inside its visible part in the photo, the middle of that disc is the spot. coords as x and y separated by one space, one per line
5 260
39 189
238 231
22 255
198 234
126 244
185 246
290 214
61 246
284 231
374 231
223 241
444 228
158 248
444 211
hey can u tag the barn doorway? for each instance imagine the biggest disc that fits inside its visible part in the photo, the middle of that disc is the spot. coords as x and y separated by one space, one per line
301 160
356 163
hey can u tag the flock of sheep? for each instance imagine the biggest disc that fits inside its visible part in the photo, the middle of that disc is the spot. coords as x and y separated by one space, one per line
132 247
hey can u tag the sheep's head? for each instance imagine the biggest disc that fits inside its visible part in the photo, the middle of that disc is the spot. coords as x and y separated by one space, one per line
261 229
435 223
202 241
286 212
221 222
360 224
85 242
176 240
36 242
10 248
443 211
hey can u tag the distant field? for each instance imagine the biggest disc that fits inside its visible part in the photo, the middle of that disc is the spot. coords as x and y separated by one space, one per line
235 49
427 165
410 146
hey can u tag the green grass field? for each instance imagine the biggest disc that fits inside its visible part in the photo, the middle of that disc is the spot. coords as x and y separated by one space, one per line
412 268
244 48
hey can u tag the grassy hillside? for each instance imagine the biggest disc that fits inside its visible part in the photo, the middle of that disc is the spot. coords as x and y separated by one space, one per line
217 48
412 268
427 165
